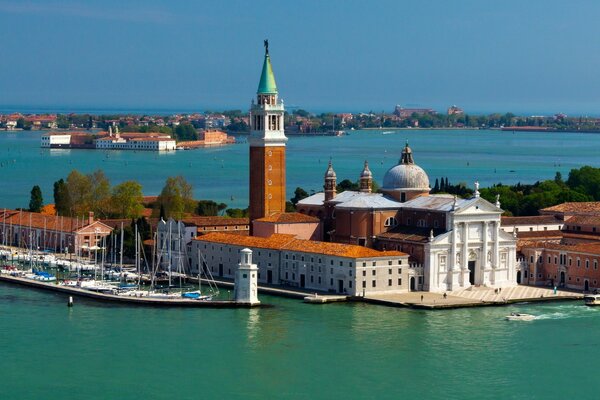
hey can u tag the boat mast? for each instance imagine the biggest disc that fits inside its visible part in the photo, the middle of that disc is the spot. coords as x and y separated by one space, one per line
170 253
121 253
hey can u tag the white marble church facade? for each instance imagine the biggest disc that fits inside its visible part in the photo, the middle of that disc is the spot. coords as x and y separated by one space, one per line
473 251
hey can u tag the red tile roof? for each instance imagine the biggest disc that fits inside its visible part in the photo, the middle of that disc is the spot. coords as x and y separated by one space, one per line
593 220
289 218
40 221
289 242
215 221
530 220
575 207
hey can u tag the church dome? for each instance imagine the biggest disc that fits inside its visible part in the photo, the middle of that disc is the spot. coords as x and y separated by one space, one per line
406 175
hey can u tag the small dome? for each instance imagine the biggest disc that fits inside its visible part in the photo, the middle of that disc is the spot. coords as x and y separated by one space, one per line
330 173
406 175
366 172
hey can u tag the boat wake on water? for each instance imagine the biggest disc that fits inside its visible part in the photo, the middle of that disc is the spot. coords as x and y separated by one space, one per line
568 311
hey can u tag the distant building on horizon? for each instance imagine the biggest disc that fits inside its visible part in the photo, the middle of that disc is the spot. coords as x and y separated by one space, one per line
454 110
402 112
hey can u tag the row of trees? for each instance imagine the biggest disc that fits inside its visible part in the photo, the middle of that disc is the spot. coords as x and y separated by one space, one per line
81 193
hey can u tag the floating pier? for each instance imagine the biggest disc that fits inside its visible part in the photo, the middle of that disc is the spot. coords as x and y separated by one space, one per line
125 300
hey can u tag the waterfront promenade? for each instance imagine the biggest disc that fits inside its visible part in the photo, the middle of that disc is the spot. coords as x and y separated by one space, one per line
473 297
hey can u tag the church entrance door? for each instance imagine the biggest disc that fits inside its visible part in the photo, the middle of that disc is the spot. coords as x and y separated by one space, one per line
518 276
269 276
412 284
472 272
586 286
340 286
220 269
302 280
562 278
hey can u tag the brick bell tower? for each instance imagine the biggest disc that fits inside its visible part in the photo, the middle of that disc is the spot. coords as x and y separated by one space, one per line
267 148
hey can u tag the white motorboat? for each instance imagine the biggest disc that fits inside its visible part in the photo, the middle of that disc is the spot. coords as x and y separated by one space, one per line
591 299
520 317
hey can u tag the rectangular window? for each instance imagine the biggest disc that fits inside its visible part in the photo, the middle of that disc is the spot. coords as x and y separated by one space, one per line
399 281
350 284
389 282
389 271
374 272
331 281
319 280
390 262
349 272
374 283
364 273
364 284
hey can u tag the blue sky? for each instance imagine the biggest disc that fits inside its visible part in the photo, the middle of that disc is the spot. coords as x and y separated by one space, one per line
521 56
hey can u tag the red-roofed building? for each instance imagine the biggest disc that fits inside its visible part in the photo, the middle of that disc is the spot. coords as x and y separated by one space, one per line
312 265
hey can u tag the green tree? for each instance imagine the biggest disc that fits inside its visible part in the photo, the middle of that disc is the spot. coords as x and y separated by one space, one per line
585 180
100 195
237 212
176 198
299 194
184 132
79 188
36 202
126 200
210 208
62 203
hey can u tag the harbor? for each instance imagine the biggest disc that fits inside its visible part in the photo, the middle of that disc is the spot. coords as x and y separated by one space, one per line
129 300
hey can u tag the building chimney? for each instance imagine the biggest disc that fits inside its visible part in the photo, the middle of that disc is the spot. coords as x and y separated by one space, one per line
90 218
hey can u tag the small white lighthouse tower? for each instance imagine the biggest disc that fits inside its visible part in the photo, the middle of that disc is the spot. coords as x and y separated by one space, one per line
246 290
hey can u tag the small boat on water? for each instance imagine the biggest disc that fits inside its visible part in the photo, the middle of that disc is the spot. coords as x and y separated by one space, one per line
591 299
520 317
196 295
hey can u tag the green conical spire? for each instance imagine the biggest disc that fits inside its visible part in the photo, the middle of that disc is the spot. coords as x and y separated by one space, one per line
267 79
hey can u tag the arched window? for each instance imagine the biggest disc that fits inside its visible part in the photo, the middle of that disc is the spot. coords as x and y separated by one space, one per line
391 222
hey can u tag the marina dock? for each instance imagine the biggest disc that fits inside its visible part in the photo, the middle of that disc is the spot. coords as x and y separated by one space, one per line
125 300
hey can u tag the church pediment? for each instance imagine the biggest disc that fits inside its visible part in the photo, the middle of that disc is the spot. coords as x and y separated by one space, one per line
478 206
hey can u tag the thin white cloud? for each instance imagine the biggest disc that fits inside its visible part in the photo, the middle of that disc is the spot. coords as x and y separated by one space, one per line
69 9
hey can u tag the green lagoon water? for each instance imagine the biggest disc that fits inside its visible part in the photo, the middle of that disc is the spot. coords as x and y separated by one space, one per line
292 351
222 172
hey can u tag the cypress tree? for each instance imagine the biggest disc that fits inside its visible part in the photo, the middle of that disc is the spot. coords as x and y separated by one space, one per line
436 187
36 202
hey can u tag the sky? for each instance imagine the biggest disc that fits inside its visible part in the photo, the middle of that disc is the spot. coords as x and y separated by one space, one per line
526 57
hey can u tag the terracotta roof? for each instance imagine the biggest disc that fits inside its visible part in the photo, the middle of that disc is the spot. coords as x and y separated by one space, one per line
584 220
530 220
570 207
289 218
540 234
290 243
215 221
409 233
591 248
41 221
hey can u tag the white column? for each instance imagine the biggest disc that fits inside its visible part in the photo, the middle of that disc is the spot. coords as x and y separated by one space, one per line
484 265
464 258
496 255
